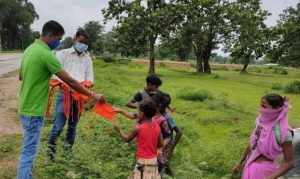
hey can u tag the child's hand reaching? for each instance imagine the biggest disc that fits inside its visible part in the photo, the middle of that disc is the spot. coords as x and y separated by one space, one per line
115 109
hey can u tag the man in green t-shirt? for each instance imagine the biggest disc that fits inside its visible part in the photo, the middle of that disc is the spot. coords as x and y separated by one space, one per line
37 67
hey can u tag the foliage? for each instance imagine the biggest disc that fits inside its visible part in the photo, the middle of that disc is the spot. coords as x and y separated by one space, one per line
194 94
95 30
110 58
251 39
276 86
66 43
15 19
141 22
293 87
286 34
206 24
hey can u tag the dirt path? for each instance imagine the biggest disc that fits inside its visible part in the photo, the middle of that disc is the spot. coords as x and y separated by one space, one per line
9 90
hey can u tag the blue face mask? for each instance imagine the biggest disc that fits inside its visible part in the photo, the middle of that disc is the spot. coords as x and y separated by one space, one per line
80 47
54 45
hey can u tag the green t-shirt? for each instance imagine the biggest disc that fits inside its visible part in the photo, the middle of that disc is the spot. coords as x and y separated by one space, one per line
38 65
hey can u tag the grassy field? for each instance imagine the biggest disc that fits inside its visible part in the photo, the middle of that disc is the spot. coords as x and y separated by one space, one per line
216 130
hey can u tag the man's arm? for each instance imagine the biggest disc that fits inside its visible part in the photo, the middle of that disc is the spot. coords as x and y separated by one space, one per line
74 84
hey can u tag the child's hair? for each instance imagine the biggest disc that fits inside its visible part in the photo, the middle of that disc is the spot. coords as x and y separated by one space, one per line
159 99
275 100
162 100
148 107
153 79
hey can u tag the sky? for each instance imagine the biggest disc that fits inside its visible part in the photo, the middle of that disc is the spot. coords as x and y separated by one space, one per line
75 13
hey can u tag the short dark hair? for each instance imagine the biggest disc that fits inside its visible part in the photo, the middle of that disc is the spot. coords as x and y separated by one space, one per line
52 27
148 107
82 32
162 100
159 99
275 100
153 79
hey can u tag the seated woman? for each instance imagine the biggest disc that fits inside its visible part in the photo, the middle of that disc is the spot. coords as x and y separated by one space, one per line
271 138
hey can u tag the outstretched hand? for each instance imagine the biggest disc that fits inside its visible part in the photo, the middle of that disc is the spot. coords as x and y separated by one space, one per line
115 109
99 97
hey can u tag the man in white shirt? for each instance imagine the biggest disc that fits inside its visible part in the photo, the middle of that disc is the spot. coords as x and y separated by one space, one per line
79 65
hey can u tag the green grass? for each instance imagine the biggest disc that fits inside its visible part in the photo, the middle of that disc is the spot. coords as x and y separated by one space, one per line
216 129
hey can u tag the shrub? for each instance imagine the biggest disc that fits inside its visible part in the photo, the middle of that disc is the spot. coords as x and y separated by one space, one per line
108 58
276 86
194 95
123 60
280 70
293 87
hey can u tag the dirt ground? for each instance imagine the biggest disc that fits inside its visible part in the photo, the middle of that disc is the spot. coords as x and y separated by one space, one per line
9 90
9 122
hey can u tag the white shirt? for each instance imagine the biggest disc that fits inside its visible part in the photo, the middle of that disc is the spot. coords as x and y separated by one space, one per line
79 67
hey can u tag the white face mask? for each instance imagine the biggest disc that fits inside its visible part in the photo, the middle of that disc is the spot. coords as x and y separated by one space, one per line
80 47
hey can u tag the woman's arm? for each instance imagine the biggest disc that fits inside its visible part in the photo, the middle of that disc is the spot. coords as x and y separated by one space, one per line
288 161
237 166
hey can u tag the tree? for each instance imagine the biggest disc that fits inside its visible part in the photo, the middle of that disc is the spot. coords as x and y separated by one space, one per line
67 43
206 24
16 16
251 39
286 36
152 19
95 30
179 44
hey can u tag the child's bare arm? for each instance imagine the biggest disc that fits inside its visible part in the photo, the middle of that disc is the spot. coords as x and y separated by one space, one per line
177 136
131 104
170 108
166 141
124 113
160 144
127 138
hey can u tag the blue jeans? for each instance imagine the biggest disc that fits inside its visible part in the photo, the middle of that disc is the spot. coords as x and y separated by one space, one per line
59 123
32 129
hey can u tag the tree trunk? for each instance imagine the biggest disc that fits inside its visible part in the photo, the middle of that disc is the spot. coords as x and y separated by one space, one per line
244 70
151 56
0 34
206 56
199 61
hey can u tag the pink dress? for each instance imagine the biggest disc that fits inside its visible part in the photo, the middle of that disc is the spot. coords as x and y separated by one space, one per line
263 142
